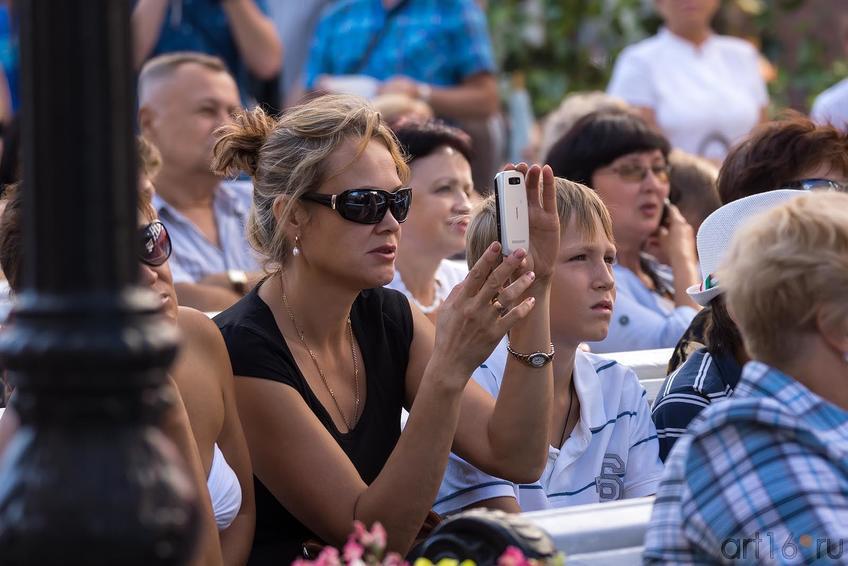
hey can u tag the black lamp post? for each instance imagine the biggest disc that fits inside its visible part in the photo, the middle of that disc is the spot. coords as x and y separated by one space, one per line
88 479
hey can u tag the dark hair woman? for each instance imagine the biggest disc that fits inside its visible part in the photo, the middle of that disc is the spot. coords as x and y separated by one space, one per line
618 155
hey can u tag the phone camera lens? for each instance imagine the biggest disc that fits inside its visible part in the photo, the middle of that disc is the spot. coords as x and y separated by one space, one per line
514 181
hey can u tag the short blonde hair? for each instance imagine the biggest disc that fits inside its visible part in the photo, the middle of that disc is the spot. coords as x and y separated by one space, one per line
575 203
287 157
783 268
165 65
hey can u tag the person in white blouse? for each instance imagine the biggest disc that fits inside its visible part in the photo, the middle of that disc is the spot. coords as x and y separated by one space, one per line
703 90
434 231
831 105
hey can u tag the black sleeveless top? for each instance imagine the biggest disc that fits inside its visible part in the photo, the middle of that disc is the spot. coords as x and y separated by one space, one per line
382 324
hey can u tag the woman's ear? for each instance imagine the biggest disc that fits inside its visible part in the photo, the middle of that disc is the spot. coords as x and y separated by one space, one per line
298 216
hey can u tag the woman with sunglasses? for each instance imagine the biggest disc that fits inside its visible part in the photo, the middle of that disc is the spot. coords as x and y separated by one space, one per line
203 376
326 358
438 219
203 423
626 162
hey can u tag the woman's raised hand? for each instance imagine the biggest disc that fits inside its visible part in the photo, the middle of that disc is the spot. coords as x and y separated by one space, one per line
480 310
543 217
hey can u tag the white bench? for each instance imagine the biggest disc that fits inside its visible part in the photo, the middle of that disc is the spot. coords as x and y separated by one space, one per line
600 534
649 365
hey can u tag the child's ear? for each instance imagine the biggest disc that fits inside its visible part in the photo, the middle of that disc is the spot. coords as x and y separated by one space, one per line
833 329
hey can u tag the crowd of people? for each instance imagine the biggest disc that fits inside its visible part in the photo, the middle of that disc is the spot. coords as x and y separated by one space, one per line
357 347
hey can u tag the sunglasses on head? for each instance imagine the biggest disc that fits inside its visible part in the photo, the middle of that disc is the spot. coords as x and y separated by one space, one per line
154 244
366 206
817 185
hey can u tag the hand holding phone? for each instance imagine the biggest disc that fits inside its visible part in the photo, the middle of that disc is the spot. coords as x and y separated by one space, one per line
512 218
665 219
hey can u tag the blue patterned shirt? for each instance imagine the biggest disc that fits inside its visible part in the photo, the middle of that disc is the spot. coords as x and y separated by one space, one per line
193 256
761 477
440 42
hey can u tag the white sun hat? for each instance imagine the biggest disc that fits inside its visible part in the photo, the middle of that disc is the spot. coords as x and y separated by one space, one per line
717 231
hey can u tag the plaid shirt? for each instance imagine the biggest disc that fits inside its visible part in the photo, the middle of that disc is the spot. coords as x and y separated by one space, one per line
440 42
759 478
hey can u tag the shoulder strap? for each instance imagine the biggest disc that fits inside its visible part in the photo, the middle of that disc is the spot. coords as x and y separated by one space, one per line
377 37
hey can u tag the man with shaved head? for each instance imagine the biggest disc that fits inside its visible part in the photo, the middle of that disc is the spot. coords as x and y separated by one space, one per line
183 99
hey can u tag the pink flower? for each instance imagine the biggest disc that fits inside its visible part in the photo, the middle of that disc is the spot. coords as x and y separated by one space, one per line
394 559
353 551
329 557
379 534
512 556
362 535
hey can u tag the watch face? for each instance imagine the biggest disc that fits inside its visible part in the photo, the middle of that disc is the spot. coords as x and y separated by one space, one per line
537 360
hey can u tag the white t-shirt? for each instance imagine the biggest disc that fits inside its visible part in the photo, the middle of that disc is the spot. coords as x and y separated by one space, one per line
449 274
831 106
705 98
612 453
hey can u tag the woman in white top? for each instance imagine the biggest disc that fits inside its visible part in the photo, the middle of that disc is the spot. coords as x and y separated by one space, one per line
442 189
625 161
203 423
602 445
704 91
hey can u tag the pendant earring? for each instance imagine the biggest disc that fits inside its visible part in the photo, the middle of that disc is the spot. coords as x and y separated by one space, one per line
296 248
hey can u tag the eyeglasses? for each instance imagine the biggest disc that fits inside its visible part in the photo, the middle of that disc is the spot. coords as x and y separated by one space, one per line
817 185
636 173
154 244
366 206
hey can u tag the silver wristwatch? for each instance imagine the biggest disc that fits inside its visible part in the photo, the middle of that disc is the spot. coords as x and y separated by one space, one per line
534 359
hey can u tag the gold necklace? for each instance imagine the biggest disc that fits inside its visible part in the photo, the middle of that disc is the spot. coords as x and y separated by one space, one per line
320 372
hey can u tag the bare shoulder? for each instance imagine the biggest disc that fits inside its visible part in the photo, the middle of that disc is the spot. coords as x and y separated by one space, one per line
199 328
203 342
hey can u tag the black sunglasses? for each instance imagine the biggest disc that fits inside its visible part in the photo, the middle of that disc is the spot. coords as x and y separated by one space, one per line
154 244
817 185
366 206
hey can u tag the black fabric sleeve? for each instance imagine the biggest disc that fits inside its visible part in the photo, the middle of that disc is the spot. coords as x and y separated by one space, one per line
255 355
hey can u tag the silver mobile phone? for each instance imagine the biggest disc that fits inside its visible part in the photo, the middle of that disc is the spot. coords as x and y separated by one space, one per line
512 217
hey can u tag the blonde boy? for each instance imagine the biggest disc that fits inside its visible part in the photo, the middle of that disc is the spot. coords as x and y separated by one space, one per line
602 442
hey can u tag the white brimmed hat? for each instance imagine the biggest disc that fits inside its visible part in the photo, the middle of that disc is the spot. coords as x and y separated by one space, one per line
717 231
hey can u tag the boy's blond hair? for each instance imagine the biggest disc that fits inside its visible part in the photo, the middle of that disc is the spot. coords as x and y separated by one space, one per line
784 268
575 203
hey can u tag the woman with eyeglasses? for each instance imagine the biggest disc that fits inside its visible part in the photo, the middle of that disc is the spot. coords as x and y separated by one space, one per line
438 218
325 358
618 155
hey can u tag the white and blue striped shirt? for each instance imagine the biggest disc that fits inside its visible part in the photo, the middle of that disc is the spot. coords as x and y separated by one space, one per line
612 452
193 256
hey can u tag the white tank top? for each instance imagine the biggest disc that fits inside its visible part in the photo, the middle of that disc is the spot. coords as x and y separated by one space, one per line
224 490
